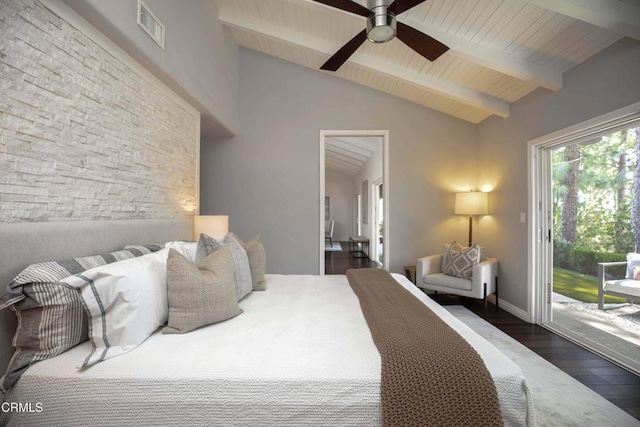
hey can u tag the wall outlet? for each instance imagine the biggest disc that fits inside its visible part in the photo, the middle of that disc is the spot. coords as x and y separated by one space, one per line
523 218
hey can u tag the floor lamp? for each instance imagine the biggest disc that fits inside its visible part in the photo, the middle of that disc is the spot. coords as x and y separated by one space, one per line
471 203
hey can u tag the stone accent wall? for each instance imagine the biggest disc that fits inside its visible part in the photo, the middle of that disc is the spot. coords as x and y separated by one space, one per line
83 136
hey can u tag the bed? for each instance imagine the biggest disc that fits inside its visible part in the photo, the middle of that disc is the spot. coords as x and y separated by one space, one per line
300 354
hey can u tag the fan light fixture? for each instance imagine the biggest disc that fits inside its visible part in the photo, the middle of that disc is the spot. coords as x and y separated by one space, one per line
381 26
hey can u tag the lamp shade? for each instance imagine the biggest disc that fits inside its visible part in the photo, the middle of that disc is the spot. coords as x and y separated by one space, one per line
215 226
471 203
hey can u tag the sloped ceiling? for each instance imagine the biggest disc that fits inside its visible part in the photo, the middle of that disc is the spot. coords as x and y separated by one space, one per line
500 50
349 154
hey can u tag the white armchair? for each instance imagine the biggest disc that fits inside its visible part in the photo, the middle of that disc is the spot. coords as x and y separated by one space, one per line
484 279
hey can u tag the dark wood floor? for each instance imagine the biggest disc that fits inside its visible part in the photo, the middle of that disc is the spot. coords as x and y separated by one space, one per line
340 262
615 384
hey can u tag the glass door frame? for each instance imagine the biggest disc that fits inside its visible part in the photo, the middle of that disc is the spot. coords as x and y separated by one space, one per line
375 232
540 230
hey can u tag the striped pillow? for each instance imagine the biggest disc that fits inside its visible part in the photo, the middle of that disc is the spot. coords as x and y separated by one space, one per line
51 318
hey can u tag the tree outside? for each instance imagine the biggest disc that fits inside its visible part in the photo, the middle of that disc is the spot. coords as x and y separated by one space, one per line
596 197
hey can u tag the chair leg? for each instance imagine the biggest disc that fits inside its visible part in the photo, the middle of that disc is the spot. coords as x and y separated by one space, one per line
496 293
435 295
484 299
601 287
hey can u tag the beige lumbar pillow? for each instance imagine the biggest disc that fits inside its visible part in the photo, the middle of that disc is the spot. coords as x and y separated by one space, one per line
257 261
200 294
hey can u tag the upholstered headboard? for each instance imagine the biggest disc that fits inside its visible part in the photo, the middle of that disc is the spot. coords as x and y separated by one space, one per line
26 243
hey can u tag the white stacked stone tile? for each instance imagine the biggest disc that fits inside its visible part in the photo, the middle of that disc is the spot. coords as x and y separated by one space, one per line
85 136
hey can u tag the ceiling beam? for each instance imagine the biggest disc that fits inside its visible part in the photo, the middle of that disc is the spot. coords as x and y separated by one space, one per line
341 165
344 158
368 144
493 58
614 15
459 93
365 152
339 151
453 91
482 55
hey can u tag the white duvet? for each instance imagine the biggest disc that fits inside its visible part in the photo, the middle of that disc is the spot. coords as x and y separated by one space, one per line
300 354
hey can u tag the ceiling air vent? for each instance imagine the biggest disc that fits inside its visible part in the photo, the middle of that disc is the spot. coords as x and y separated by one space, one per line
150 24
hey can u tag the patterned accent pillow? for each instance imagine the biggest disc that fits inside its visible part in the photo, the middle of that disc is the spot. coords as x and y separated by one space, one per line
445 249
459 262
241 270
201 294
257 261
51 316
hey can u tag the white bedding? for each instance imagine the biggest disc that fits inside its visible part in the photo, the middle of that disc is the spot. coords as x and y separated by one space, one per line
300 354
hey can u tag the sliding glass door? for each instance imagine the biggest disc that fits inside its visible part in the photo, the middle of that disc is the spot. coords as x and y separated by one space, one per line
587 212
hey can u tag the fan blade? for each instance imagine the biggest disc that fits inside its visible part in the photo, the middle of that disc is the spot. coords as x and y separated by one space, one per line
341 56
347 5
400 6
426 46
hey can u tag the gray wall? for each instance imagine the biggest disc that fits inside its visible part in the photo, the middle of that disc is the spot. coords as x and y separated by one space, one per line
339 188
604 83
200 61
267 177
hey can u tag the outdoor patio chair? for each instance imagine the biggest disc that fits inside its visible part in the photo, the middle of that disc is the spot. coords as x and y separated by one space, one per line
626 288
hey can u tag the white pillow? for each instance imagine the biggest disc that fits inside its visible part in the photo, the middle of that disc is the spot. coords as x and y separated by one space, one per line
187 249
126 302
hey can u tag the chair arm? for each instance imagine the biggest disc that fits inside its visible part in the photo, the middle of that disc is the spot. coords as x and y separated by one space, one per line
427 265
607 264
602 266
485 272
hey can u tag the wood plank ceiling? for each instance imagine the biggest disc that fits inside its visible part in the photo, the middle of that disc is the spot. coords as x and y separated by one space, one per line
500 50
349 154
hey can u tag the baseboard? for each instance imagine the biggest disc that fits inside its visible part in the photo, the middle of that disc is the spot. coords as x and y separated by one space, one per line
510 308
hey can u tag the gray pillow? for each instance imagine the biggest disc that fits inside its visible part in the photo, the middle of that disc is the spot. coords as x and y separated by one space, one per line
241 270
257 261
459 261
201 294
52 318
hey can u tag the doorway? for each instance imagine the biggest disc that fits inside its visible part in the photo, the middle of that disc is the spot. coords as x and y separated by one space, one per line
378 222
346 148
582 190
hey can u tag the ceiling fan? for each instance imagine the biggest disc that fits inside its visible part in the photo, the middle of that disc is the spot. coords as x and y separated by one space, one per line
382 26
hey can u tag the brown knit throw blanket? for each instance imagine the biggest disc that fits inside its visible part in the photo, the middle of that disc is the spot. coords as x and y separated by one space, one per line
430 375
